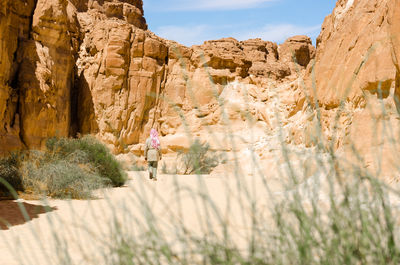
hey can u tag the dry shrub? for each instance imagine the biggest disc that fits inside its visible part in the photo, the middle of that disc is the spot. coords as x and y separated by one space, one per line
199 159
69 168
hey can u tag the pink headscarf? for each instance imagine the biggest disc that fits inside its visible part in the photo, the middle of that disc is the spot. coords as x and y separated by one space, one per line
155 142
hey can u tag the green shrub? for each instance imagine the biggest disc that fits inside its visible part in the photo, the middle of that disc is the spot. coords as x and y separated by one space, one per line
10 173
69 168
61 179
96 154
198 159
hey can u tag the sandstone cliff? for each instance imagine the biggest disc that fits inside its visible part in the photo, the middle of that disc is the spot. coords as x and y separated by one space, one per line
40 41
355 81
73 67
358 51
70 66
15 26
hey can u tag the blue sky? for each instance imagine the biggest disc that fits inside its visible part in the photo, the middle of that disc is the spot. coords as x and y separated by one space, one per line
193 22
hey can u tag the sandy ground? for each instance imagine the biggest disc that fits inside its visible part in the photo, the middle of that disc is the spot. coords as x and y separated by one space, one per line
80 231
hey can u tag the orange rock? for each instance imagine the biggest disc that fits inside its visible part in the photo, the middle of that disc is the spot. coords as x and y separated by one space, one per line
91 66
297 49
14 25
355 51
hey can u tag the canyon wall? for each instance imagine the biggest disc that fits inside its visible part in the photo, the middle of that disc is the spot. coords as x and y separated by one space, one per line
40 71
71 66
15 27
355 80
40 41
358 51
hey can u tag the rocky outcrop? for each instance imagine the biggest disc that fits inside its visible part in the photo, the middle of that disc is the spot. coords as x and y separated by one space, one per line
40 41
357 52
297 49
355 81
255 57
198 77
265 58
122 70
130 11
15 20
71 66
46 73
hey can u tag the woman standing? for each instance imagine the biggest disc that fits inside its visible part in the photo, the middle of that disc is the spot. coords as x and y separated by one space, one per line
152 153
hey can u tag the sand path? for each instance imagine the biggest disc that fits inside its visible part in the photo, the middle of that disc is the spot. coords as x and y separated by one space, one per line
79 232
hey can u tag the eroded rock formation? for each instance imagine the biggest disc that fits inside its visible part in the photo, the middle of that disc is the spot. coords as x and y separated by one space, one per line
122 70
355 81
358 51
73 67
40 44
15 21
70 66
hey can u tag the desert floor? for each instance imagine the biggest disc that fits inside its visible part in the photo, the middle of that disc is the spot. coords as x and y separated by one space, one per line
80 231
84 231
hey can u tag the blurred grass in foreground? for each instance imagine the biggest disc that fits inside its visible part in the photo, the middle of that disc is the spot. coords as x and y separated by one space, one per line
329 209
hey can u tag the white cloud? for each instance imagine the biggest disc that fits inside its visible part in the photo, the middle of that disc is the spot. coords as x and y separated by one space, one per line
185 5
193 35
189 35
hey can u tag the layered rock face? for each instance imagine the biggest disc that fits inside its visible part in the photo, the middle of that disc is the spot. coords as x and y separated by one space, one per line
355 81
71 66
137 81
46 73
122 70
358 51
15 20
197 76
40 41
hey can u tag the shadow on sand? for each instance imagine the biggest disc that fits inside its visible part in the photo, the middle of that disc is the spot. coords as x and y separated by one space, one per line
11 214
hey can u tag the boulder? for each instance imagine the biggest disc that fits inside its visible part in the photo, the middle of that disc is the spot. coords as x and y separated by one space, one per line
297 49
